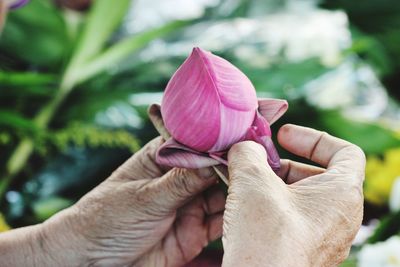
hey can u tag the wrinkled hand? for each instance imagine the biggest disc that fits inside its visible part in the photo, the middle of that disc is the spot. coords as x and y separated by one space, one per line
311 219
140 216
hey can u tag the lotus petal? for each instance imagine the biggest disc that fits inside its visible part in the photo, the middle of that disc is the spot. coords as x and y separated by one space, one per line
191 106
234 88
234 125
272 109
266 142
261 125
171 153
208 106
220 157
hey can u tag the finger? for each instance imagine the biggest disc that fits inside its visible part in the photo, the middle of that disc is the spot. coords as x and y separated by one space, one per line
292 171
214 200
178 186
322 148
193 226
214 225
247 165
192 217
142 164
192 232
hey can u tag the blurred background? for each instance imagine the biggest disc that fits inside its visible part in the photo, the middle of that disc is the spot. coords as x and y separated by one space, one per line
76 78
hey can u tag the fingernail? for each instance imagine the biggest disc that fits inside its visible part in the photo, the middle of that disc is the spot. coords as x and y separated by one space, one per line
206 172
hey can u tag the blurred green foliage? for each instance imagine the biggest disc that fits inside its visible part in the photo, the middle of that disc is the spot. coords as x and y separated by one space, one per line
67 81
36 35
46 107
377 24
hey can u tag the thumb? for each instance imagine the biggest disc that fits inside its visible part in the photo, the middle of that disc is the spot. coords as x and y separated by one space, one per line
179 185
248 166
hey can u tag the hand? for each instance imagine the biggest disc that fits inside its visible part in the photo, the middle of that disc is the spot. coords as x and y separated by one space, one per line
311 219
139 216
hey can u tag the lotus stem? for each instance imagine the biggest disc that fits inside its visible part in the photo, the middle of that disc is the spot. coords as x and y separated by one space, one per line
221 175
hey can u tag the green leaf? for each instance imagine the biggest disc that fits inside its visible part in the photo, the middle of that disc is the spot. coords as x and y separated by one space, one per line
372 50
351 262
278 78
384 26
122 49
104 17
372 138
25 85
16 120
86 109
385 13
388 227
26 78
13 94
35 34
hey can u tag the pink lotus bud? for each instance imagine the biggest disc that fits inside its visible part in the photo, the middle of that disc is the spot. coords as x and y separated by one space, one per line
208 106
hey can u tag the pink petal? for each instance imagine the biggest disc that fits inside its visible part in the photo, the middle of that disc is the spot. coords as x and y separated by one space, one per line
191 105
234 125
173 154
238 99
234 88
262 126
266 142
272 109
273 156
220 157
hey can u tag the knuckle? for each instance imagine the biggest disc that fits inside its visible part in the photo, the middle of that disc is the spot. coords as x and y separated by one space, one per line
249 169
357 152
245 147
185 185
150 148
254 169
183 175
324 134
182 184
140 190
239 147
353 152
350 190
355 196
246 155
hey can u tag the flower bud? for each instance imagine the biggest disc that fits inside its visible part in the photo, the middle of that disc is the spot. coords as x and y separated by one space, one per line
208 106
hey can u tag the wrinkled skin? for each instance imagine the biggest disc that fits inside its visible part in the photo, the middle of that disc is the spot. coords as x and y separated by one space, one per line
311 219
146 216
141 216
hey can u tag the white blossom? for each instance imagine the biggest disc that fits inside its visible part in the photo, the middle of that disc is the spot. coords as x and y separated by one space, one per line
297 35
382 254
146 14
352 87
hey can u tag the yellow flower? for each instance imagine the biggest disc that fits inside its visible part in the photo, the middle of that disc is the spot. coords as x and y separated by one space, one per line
380 175
3 225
